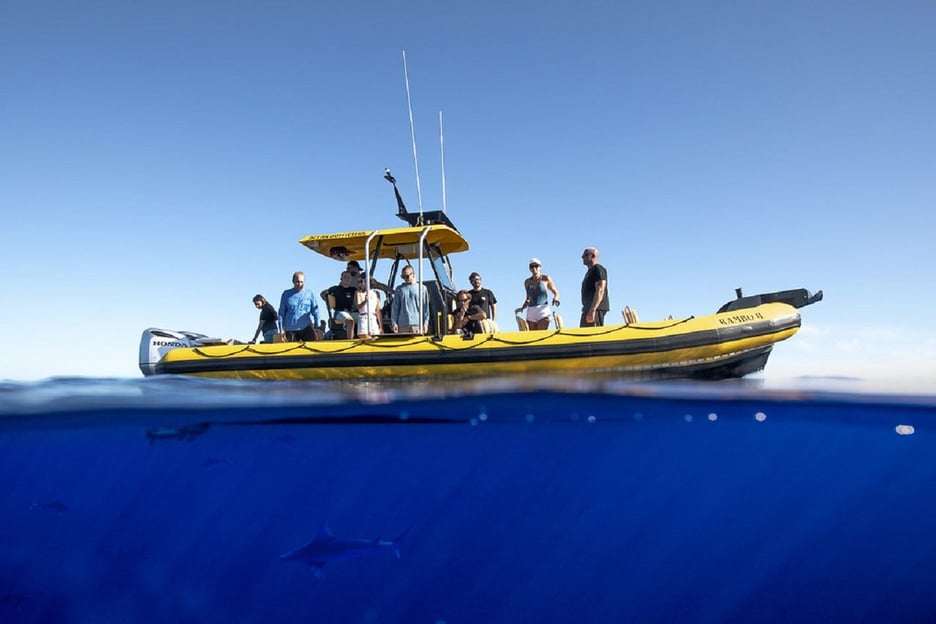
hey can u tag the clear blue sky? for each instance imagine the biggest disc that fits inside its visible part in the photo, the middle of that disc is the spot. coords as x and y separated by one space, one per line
160 161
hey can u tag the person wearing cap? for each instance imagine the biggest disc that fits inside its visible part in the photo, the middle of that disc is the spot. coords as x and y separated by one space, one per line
594 290
355 268
536 303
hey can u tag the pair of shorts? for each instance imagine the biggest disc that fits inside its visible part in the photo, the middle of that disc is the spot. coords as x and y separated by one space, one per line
341 316
599 319
536 313
367 324
268 335
306 334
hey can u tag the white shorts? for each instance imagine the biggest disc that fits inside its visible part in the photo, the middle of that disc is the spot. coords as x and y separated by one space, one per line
367 324
536 313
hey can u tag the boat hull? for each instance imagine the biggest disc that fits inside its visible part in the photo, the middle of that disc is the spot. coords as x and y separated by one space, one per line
730 344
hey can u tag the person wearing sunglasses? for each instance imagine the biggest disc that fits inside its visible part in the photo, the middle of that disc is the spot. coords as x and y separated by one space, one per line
467 316
536 304
405 309
298 312
594 290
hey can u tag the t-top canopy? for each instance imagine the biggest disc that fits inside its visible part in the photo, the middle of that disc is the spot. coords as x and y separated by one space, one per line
393 242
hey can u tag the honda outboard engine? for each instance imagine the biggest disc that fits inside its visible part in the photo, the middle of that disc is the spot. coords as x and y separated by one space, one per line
155 343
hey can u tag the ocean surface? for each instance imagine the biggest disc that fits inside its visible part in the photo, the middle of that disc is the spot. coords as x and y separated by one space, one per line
512 500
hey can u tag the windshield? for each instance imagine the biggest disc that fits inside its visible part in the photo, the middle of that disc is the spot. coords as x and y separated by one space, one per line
441 268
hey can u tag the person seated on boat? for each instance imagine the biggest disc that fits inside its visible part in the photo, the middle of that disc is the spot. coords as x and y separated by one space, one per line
343 295
268 317
298 312
468 316
369 316
483 297
355 268
594 290
405 309
536 303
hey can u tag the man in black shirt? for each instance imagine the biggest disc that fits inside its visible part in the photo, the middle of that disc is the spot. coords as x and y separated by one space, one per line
594 290
482 297
344 304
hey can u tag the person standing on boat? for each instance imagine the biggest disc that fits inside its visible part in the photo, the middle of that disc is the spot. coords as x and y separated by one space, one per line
369 316
298 311
594 290
536 303
405 310
267 324
482 297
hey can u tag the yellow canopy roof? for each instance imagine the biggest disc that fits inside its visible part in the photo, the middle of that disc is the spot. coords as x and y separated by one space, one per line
396 242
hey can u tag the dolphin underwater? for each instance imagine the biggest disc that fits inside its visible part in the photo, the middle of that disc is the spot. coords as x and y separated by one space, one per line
326 547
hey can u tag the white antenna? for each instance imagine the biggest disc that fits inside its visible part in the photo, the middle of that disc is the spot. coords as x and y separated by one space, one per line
442 150
412 126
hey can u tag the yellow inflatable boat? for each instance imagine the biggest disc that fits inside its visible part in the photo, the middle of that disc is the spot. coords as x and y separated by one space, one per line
733 342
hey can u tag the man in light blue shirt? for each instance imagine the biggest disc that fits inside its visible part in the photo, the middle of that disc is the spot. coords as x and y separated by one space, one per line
404 313
298 311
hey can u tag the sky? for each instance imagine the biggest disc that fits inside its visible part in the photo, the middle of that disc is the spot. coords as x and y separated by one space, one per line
159 162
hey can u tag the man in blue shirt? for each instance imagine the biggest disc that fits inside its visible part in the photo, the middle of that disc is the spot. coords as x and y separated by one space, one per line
298 311
404 312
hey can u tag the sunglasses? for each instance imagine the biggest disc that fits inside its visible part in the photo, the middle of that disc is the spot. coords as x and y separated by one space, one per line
463 300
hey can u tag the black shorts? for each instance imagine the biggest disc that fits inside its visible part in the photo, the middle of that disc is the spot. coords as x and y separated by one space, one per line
599 319
306 334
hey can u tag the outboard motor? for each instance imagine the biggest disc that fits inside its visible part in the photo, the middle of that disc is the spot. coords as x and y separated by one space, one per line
797 298
155 343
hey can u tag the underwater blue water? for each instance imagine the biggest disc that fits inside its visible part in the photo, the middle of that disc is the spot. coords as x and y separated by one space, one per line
515 500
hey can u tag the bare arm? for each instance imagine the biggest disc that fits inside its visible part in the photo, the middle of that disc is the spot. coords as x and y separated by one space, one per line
552 288
526 301
600 288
